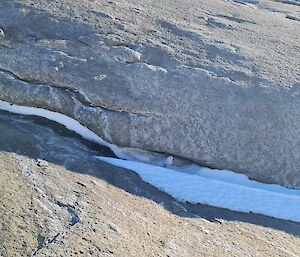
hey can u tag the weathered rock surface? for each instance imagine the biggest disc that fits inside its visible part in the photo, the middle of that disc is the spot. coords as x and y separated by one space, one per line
216 82
71 204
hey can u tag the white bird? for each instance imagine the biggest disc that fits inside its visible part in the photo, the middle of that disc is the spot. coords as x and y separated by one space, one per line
169 161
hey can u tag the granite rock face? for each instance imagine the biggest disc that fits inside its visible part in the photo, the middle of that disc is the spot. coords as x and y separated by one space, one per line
58 200
216 82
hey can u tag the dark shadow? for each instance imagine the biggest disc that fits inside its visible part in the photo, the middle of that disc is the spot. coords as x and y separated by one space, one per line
39 138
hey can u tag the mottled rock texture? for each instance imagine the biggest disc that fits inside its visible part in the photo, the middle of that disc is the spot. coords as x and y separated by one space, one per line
216 82
70 204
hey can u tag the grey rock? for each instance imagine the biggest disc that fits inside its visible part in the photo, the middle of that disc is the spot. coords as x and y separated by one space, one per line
77 205
163 77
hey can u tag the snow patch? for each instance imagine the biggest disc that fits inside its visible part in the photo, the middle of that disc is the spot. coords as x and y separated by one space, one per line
225 190
62 119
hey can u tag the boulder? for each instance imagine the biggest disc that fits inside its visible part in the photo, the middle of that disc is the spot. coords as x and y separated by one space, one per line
216 82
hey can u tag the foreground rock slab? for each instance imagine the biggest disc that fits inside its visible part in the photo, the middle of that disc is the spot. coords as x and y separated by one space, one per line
216 82
111 222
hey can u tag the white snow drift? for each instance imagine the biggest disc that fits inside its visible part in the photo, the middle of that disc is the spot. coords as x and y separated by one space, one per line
270 200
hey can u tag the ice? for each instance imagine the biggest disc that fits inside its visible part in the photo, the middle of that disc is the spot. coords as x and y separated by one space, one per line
62 119
257 198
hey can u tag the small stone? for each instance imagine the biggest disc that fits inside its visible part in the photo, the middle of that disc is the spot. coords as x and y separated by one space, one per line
169 161
42 163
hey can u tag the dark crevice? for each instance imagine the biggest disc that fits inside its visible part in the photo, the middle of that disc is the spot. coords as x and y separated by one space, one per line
42 244
76 94
292 2
71 210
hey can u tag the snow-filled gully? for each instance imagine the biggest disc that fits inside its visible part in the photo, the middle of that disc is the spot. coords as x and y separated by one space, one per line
190 182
